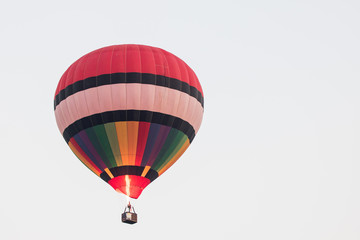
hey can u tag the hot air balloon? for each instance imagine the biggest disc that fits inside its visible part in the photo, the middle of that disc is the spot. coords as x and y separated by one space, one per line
128 112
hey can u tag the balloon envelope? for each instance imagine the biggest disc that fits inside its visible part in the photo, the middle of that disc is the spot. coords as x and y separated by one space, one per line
128 112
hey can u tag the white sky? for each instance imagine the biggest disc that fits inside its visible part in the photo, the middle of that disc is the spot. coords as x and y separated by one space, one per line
277 156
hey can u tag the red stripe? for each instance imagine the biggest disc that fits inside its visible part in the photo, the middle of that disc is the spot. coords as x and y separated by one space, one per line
133 58
128 58
141 144
147 59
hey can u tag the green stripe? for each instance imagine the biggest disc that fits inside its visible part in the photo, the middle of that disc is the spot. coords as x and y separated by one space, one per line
113 140
172 145
98 138
178 147
104 141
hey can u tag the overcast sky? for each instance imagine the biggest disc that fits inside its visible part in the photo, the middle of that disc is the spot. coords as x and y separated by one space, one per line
277 156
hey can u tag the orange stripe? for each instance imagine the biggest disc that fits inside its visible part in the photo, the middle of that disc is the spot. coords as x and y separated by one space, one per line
109 173
132 133
83 159
175 157
121 131
146 169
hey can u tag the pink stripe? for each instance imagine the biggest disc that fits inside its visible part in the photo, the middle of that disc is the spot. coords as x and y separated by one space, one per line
118 96
129 96
147 100
105 97
92 100
80 102
59 120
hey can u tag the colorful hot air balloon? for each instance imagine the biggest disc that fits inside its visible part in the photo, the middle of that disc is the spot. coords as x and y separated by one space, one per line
128 112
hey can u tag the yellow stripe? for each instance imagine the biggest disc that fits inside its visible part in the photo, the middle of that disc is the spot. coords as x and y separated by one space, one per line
121 131
146 169
83 159
132 133
109 173
175 157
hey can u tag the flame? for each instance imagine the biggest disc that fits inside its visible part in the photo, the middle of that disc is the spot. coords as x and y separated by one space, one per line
127 181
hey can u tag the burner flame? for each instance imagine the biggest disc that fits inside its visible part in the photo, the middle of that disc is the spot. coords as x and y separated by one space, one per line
127 181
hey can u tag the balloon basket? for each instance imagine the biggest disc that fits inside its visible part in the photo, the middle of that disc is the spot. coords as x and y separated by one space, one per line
129 216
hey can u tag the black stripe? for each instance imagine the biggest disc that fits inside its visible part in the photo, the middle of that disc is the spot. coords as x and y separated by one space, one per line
132 77
129 115
129 170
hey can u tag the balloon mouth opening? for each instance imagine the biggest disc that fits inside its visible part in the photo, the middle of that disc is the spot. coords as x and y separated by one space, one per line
129 185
